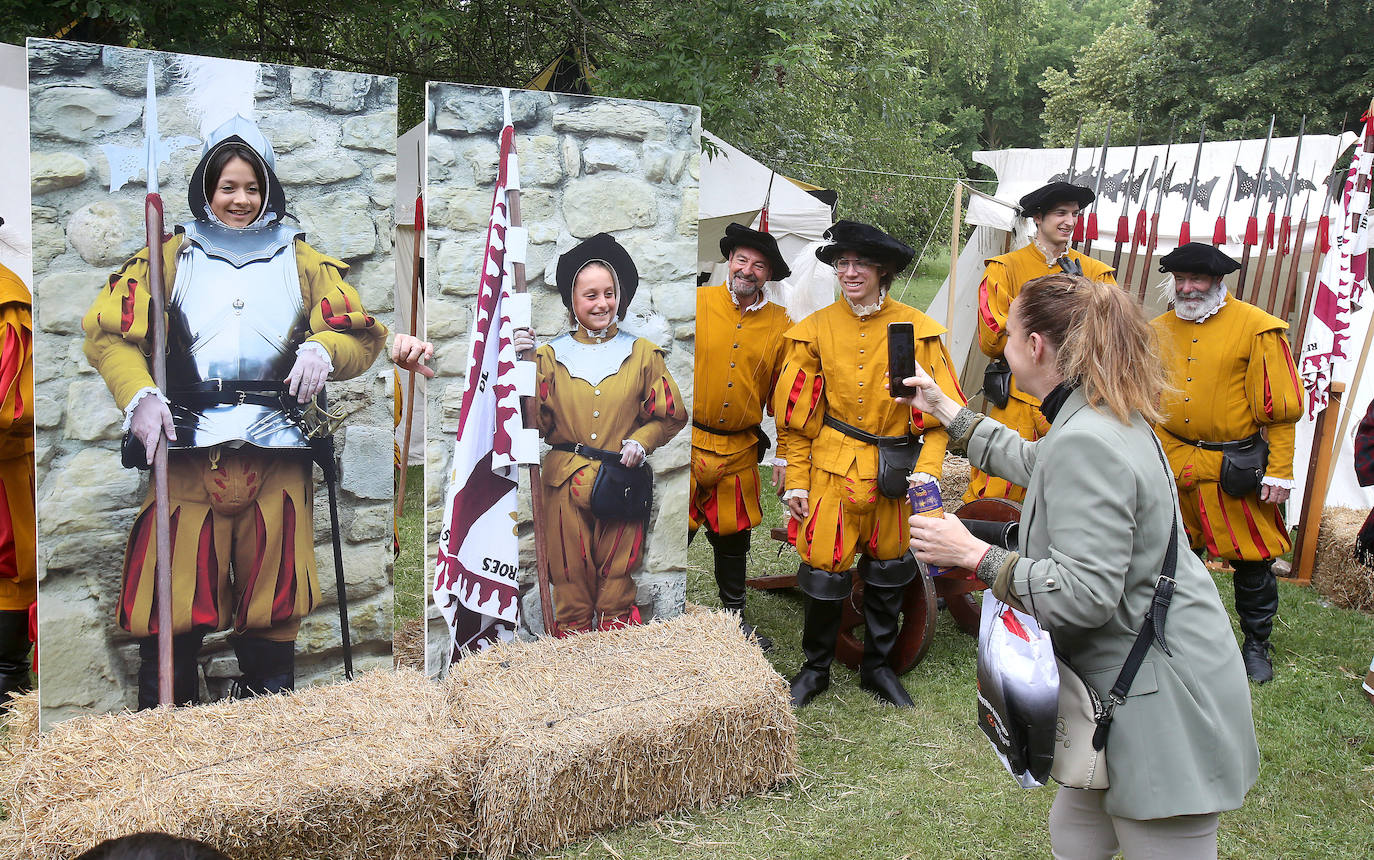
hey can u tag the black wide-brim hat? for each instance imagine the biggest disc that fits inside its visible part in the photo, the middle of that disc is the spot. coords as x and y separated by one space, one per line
1044 198
868 240
738 234
1198 258
604 248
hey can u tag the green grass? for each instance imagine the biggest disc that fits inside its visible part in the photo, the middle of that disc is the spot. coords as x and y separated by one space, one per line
925 279
878 783
409 569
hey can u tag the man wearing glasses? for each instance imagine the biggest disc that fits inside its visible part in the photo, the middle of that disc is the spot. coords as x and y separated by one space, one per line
1055 208
834 414
738 356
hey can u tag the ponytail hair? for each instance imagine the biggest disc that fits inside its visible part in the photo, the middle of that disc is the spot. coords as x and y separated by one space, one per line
1102 340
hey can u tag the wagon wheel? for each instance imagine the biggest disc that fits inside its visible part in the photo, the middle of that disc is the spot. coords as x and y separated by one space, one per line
960 603
913 638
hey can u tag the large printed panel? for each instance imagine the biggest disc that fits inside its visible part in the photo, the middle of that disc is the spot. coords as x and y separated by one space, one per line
253 572
586 166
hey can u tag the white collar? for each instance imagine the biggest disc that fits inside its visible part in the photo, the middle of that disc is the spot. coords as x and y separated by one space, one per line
763 298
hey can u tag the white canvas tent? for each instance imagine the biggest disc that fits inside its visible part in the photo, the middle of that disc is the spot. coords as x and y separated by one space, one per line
998 230
16 247
410 163
733 188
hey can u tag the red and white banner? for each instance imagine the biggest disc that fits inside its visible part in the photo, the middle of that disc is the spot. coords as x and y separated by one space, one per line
476 572
1342 282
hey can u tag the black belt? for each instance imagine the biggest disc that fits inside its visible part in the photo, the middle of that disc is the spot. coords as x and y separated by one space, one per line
223 392
753 428
588 451
863 436
1238 445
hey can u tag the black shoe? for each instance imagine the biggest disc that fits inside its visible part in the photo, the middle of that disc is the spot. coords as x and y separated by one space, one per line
268 667
820 631
14 654
750 632
882 682
1255 653
808 684
884 589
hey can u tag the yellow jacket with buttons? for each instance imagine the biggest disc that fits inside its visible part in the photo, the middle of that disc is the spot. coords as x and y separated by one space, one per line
738 356
837 364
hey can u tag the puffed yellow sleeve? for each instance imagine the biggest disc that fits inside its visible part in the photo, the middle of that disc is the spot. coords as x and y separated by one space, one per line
118 325
338 321
16 367
546 417
936 362
661 409
1276 398
799 402
994 303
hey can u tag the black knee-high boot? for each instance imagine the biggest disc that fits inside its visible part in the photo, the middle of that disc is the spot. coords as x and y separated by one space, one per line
884 588
731 560
185 670
267 666
825 593
1257 601
14 654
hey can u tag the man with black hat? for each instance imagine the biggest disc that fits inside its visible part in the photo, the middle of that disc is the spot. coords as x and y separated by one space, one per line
1236 397
18 560
1055 209
850 447
739 353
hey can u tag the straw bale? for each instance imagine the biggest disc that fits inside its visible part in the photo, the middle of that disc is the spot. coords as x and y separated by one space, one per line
369 769
408 647
953 481
1338 574
598 730
19 726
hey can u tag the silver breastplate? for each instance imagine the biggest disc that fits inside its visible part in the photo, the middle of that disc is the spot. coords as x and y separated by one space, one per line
235 316
592 362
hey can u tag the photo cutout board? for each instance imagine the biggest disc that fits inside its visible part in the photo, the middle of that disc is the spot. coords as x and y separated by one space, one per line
585 166
253 567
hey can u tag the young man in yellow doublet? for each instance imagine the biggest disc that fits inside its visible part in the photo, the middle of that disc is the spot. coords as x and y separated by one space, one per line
1055 209
18 562
257 321
1235 390
739 354
833 411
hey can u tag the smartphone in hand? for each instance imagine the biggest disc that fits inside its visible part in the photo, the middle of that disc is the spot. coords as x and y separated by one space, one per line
901 357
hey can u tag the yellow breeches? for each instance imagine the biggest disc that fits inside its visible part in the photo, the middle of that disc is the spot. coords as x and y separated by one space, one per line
1238 529
243 546
849 516
724 491
590 560
1024 419
18 565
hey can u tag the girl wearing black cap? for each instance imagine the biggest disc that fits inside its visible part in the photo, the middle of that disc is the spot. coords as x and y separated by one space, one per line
604 389
258 320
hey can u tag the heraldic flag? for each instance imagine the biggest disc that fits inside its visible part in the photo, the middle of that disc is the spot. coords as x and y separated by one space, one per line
1343 280
475 583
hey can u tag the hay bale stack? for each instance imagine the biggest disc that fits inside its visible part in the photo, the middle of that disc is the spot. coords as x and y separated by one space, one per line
408 645
953 481
1337 573
595 731
20 724
370 769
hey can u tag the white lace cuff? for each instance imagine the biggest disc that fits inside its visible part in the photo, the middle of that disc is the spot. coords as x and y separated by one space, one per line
796 494
138 396
1282 483
318 348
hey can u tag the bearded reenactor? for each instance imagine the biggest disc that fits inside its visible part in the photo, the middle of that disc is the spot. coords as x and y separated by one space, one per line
850 447
739 353
18 562
1229 432
1055 209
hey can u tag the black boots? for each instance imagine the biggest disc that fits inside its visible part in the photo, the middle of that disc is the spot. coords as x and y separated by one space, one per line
185 670
825 593
731 559
884 587
14 654
268 667
1257 600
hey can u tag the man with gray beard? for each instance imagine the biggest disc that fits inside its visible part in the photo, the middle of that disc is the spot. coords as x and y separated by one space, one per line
1229 432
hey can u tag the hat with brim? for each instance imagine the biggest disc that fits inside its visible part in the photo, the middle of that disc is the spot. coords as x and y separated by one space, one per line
737 235
1046 197
600 248
1198 258
867 240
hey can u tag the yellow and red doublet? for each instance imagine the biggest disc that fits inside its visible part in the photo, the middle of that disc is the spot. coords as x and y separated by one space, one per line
244 509
590 560
738 356
18 560
836 365
1233 374
1002 282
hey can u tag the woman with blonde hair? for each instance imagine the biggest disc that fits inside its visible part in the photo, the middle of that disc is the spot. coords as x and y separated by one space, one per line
1099 515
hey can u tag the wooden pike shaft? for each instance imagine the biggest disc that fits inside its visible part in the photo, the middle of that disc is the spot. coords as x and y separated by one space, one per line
1290 291
152 211
416 277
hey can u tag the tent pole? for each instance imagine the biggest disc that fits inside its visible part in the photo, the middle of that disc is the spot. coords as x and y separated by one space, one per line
957 217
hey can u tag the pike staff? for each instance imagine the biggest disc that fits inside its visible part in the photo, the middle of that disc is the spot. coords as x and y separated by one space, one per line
1090 232
1264 246
1185 233
417 295
1153 241
1252 223
1321 244
1281 245
1219 228
1123 221
1138 237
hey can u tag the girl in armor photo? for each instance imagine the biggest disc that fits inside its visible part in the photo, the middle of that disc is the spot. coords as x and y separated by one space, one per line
257 321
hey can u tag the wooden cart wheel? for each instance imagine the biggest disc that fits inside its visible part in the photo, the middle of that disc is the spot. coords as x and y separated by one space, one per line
913 637
965 611
961 605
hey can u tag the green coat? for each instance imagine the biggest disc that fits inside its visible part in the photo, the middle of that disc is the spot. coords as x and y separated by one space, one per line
1094 527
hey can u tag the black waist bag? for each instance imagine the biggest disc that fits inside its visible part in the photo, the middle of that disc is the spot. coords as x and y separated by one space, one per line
618 492
1243 464
997 383
896 456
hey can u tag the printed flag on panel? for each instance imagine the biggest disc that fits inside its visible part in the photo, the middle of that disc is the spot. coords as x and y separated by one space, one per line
475 584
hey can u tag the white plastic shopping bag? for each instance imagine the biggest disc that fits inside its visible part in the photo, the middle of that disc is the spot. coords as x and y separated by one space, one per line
1018 691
